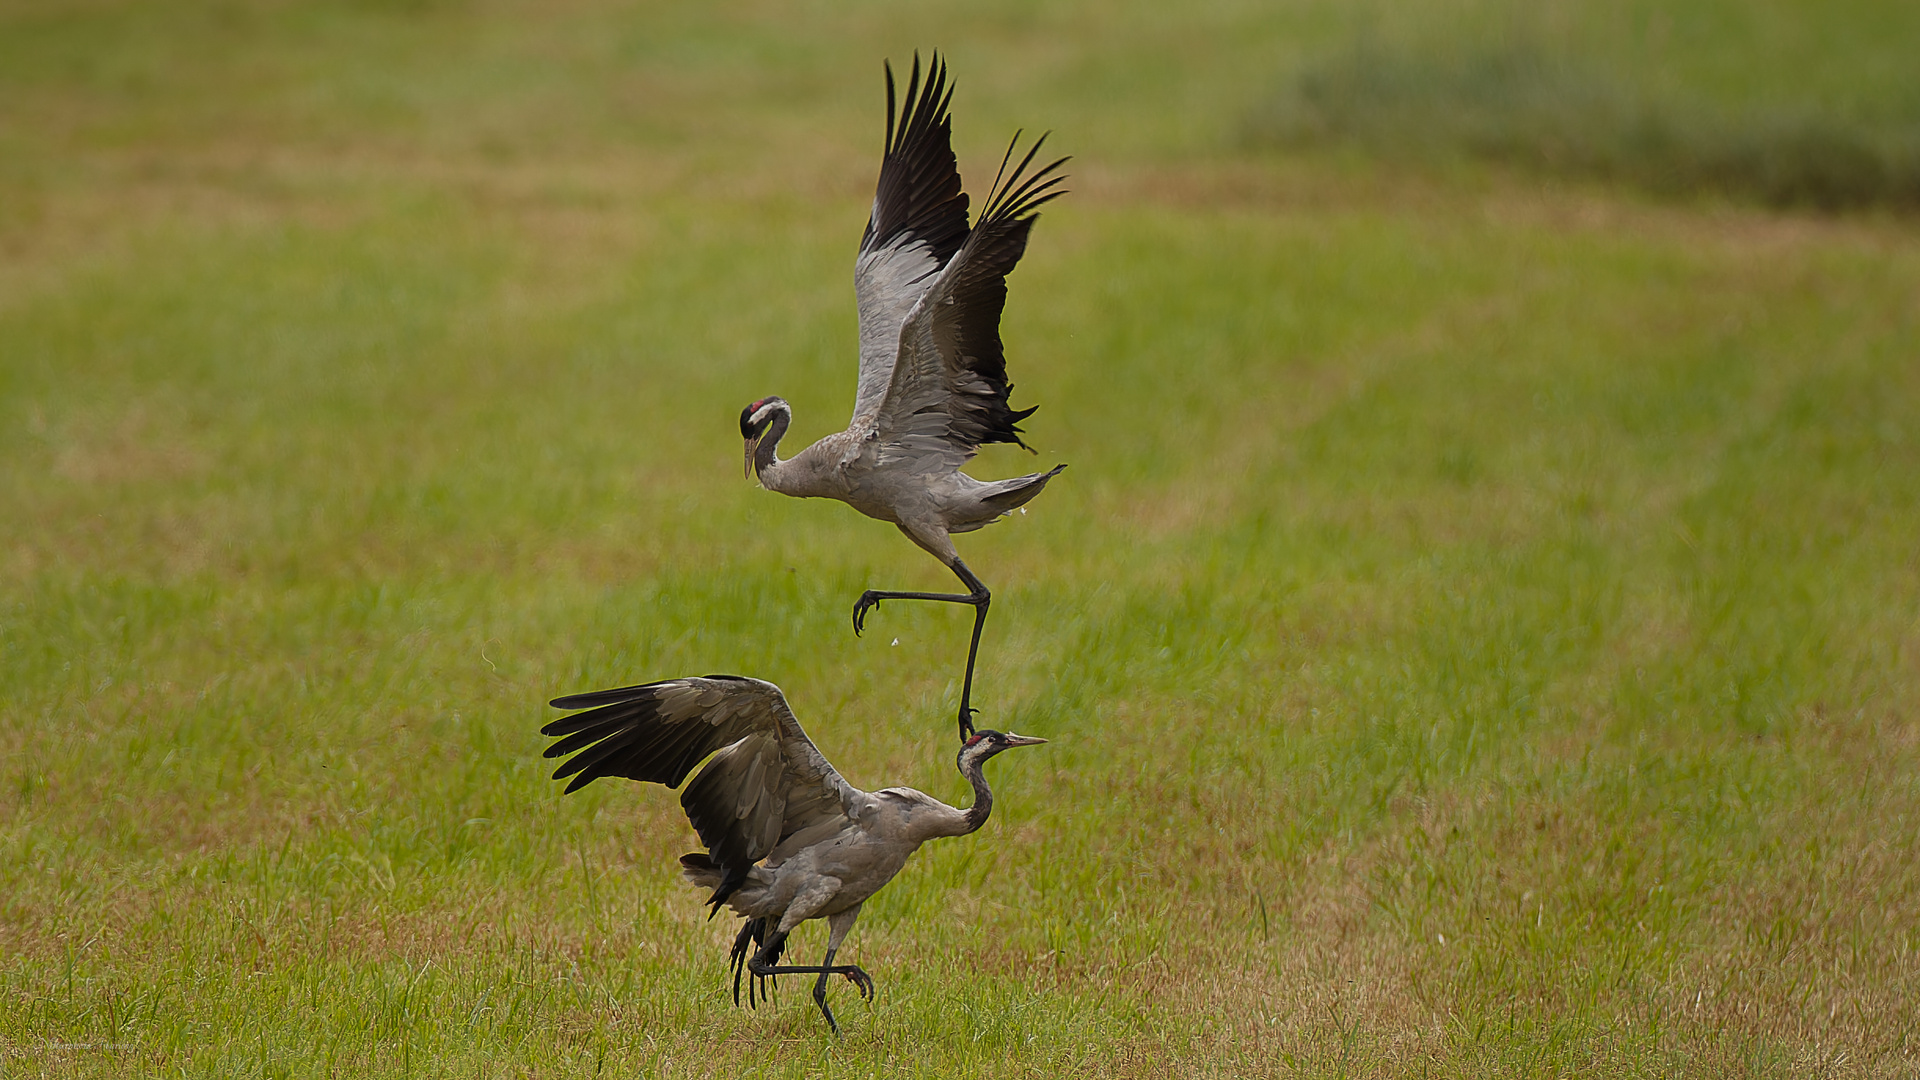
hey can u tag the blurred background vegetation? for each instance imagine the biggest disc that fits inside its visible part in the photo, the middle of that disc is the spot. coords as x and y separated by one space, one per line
1786 103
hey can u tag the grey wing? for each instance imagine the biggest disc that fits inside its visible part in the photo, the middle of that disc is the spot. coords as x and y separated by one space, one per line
919 220
765 781
948 394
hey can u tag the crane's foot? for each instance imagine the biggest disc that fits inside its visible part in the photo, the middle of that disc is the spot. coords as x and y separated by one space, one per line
860 979
867 602
762 966
979 598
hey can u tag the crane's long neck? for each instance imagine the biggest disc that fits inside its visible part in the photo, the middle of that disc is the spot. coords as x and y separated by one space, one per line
969 764
769 444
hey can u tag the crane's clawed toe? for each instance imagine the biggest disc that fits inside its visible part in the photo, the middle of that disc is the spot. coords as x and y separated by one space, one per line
867 602
860 979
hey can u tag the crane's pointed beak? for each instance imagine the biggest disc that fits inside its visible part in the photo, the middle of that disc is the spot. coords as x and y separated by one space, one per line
1022 740
752 445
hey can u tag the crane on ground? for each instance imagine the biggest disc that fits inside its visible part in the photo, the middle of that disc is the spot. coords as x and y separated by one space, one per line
787 838
933 382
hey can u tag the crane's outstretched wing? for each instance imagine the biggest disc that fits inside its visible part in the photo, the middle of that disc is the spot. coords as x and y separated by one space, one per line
948 392
919 220
765 784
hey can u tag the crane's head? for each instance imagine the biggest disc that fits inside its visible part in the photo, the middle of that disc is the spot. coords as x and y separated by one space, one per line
986 742
755 419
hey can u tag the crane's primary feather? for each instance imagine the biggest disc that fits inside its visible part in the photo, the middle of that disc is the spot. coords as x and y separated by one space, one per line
918 197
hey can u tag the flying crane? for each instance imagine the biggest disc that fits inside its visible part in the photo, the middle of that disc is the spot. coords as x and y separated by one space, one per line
933 382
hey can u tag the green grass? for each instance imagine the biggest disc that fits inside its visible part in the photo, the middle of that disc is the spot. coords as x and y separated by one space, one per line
1478 630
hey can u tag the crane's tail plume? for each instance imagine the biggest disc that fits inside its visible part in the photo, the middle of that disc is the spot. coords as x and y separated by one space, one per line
749 938
753 937
1011 495
699 868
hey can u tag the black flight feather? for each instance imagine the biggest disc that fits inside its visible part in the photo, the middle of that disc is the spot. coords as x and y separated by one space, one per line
979 294
918 196
625 734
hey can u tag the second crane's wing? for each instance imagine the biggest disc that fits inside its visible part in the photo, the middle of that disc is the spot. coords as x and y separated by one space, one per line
919 220
765 782
949 392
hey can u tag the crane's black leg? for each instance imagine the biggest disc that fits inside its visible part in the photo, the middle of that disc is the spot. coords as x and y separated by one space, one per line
980 598
820 992
762 966
973 649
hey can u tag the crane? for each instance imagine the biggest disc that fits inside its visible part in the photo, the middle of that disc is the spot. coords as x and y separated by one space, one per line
933 376
787 839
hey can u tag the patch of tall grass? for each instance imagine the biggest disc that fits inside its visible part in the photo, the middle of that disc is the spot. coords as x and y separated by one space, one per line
1549 109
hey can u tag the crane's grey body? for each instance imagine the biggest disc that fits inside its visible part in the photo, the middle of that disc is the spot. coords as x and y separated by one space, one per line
838 872
927 500
933 384
787 838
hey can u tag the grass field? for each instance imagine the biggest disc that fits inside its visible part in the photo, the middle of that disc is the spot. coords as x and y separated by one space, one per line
1479 631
